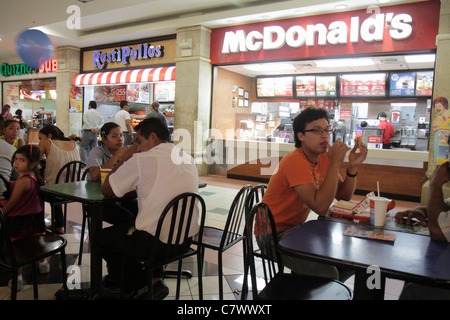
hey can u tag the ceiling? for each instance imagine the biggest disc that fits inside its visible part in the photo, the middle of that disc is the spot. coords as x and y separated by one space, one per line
109 21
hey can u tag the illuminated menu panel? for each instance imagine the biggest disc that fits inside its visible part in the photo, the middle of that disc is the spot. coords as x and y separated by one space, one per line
424 83
357 85
326 86
275 87
305 86
402 84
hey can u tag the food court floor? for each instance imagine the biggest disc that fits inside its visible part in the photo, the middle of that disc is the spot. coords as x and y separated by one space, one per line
218 196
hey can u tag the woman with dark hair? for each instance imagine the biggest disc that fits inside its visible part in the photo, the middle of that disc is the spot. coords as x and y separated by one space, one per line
105 156
58 151
5 112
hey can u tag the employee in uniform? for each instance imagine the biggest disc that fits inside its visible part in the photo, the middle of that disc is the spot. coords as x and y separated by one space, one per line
92 122
388 130
123 119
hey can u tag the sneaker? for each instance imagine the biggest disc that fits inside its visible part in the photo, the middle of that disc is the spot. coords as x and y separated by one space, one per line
44 267
19 283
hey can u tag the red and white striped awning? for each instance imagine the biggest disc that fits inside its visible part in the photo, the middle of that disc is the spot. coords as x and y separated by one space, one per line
125 76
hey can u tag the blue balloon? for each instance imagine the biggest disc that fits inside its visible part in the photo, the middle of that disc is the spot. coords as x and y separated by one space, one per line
34 48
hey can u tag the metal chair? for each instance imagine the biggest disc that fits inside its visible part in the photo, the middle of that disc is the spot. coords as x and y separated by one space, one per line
86 218
233 231
70 172
280 285
180 209
254 197
30 250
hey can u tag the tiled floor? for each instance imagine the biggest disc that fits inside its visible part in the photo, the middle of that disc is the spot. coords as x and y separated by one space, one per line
218 196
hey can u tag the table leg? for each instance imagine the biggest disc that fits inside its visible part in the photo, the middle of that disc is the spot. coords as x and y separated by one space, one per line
96 259
364 288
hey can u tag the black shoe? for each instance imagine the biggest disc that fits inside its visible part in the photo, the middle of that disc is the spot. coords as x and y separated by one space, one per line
160 291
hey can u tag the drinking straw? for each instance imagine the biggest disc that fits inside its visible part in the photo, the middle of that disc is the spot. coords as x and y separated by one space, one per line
378 188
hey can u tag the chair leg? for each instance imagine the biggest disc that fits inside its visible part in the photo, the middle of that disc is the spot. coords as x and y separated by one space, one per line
34 271
64 273
65 217
200 272
244 291
83 227
15 274
219 256
180 264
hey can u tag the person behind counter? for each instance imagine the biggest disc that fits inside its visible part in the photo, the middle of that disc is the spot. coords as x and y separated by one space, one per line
123 119
308 179
11 133
6 112
360 132
388 130
92 121
154 112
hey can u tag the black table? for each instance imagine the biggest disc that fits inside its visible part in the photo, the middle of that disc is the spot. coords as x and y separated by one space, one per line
411 257
88 192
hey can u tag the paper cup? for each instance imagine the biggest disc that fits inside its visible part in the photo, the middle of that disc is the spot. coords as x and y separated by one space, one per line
103 174
378 209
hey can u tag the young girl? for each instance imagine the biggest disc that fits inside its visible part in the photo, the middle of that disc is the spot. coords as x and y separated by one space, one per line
11 133
23 211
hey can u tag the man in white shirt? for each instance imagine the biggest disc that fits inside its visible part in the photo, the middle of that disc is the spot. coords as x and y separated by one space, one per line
6 153
159 172
92 122
123 119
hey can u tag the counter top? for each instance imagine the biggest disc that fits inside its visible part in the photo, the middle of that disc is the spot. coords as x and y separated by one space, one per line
390 154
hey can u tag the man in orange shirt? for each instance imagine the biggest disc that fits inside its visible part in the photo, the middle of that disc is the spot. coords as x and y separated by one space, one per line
388 130
308 179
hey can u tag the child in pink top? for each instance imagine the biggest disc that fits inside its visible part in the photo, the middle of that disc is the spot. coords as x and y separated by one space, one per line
23 210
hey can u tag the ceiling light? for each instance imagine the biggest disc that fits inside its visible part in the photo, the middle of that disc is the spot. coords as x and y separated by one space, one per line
384 1
419 58
345 63
341 6
270 67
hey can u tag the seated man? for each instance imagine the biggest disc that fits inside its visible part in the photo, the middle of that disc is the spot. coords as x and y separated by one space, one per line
308 179
437 216
158 172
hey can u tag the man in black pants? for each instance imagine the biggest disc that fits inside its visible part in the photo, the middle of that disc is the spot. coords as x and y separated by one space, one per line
150 168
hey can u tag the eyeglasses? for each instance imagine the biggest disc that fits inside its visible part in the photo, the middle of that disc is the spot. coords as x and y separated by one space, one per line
319 131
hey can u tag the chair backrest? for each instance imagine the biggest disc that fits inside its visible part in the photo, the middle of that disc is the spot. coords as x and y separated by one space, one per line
70 172
234 228
262 223
183 208
7 257
255 196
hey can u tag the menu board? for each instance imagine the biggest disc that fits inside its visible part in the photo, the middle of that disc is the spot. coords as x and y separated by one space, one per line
326 86
305 86
275 87
402 84
164 91
115 93
424 83
357 85
138 92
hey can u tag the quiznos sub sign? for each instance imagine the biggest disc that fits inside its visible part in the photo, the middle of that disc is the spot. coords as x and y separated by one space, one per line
124 54
274 37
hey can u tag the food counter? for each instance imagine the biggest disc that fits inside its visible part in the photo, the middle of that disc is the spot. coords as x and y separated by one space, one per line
399 172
